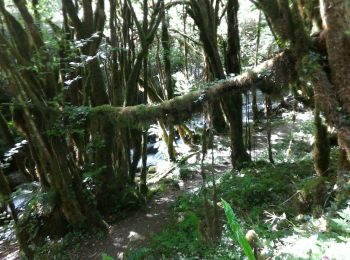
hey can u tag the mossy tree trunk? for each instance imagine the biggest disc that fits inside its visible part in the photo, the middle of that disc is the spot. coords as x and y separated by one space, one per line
116 87
52 155
179 109
205 16
268 110
255 109
321 149
233 103
336 20
169 83
143 178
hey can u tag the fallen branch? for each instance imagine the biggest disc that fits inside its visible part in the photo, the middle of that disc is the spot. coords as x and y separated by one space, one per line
165 174
270 76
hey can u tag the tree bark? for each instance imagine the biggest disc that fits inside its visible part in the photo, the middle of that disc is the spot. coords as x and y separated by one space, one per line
336 20
169 83
270 76
232 104
337 23
205 16
321 150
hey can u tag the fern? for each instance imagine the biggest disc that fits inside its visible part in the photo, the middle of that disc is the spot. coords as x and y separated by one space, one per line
343 223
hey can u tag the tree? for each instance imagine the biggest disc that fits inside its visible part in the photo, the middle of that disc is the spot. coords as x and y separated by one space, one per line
82 113
206 16
233 104
330 88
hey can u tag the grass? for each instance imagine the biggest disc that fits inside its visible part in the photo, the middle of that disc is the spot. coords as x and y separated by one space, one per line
57 250
265 199
258 188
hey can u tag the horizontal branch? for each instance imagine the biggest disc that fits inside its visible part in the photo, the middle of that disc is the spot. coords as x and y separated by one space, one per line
270 76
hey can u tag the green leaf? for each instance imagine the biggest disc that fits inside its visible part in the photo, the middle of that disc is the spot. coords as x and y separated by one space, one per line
106 257
236 231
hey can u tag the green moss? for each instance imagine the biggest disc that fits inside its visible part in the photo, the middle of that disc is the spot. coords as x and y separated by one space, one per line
141 110
321 149
152 109
181 239
312 184
186 172
152 170
105 113
312 194
102 109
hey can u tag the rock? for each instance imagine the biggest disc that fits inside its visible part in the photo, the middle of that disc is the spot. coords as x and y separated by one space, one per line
171 183
24 194
152 169
133 236
15 179
152 144
152 148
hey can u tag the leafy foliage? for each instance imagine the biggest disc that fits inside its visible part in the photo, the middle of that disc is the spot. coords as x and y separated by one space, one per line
264 196
236 231
106 257
342 222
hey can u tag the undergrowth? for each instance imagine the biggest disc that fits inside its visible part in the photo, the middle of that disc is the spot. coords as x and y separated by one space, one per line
57 250
257 189
274 200
266 199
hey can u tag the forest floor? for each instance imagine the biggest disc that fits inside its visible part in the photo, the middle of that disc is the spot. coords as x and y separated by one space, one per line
135 230
142 233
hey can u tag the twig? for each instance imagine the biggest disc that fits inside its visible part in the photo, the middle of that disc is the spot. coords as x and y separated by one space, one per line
172 168
290 198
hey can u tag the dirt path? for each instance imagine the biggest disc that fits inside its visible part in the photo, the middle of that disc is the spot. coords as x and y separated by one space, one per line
134 230
128 233
9 250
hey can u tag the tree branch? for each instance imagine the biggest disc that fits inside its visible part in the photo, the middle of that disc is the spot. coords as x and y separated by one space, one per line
270 76
68 4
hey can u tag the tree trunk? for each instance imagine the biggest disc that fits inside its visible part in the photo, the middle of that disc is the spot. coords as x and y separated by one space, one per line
206 19
21 234
254 100
169 84
321 150
336 20
233 103
268 108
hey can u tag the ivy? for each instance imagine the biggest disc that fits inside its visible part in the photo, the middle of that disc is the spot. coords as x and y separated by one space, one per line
71 121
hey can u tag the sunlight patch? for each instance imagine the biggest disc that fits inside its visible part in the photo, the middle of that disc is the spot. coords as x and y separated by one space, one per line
12 256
